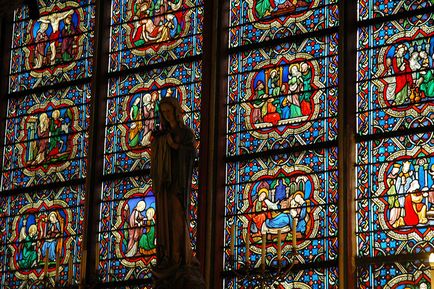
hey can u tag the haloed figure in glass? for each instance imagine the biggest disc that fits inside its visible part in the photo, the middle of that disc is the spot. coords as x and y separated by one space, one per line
173 153
29 254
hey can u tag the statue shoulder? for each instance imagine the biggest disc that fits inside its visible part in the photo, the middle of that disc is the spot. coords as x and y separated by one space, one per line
187 133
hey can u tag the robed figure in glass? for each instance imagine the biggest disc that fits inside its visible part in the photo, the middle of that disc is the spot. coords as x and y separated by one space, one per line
173 153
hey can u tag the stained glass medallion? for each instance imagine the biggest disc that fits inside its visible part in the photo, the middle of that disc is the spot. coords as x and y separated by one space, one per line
132 112
127 230
266 195
282 96
395 75
127 243
41 238
261 20
55 48
395 202
145 32
46 137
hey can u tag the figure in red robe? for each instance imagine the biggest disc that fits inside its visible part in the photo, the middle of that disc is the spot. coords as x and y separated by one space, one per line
404 80
415 210
261 208
272 115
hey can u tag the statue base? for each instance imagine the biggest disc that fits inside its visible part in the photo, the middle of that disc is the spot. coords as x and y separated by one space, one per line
179 277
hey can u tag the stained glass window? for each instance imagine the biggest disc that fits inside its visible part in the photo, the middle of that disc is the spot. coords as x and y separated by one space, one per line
166 35
40 238
267 195
45 145
120 256
55 48
147 32
281 99
282 96
46 137
132 111
280 156
254 21
394 172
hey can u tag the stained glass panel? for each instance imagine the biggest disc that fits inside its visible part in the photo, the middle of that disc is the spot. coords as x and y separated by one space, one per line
395 75
396 275
326 278
283 96
147 32
55 48
279 97
395 202
127 243
394 206
369 9
253 21
127 210
22 13
46 137
40 238
271 194
132 112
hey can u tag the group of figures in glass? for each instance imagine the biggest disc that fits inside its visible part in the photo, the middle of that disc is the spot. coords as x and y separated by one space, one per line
41 239
412 78
54 36
276 205
143 111
282 95
48 132
409 193
138 222
152 21
264 8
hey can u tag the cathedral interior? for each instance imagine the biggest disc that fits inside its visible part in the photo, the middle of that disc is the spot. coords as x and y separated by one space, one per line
313 127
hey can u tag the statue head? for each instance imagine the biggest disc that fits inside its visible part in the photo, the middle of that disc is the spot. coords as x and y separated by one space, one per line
171 111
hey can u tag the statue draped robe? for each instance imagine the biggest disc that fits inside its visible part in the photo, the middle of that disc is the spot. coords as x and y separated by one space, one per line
171 172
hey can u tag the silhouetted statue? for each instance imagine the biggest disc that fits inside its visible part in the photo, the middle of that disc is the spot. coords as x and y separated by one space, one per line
173 153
